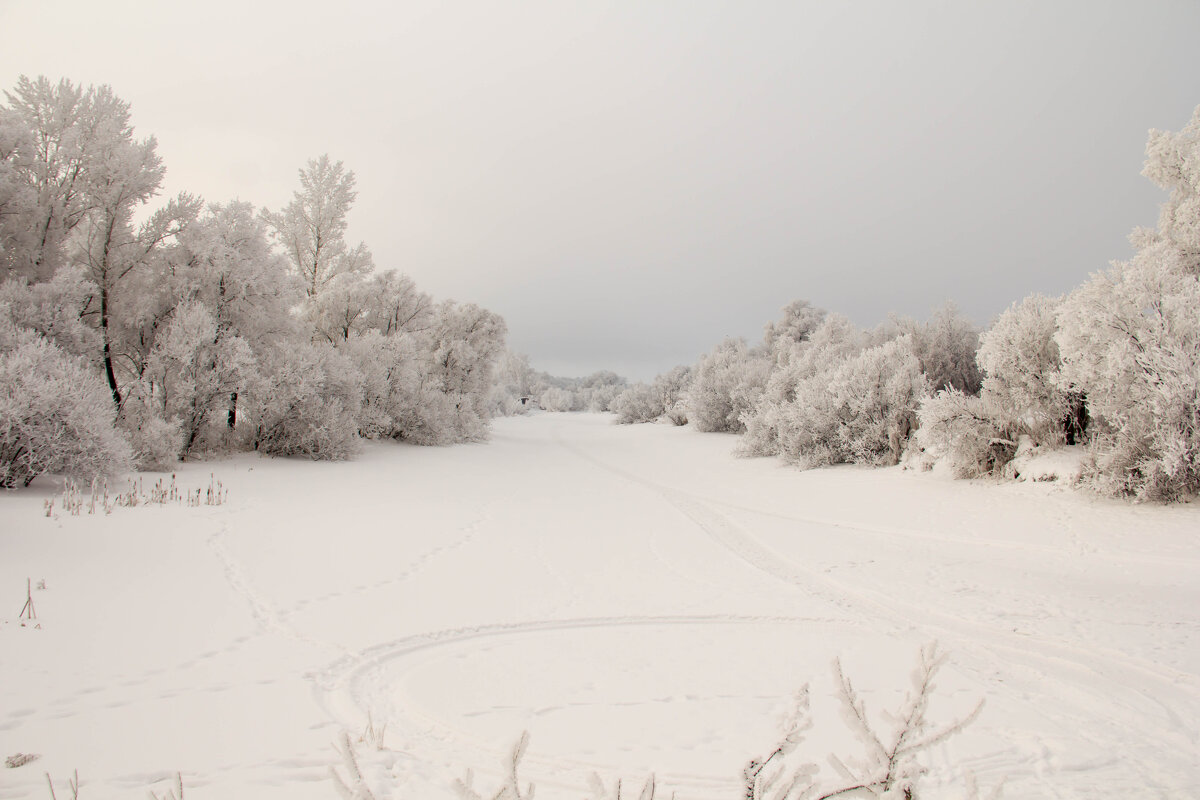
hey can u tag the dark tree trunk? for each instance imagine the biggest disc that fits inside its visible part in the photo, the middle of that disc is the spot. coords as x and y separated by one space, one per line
108 363
1076 421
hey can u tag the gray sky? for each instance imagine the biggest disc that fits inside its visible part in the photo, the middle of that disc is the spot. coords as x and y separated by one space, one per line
628 183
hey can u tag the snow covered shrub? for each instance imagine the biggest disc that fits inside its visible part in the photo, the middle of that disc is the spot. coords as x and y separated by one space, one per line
557 399
597 391
672 387
307 403
1130 341
639 403
726 384
946 347
514 385
1021 364
965 432
465 343
862 411
833 341
56 415
157 442
393 381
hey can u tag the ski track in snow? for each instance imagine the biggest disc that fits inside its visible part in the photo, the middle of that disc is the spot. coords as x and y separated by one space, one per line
1081 675
361 683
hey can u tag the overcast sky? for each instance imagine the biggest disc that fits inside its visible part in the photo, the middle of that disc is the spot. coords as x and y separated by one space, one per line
628 183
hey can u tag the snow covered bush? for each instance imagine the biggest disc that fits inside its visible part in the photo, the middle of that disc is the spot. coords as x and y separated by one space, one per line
862 411
558 400
307 402
513 392
639 403
1130 341
466 341
726 384
946 347
1022 382
965 432
56 415
597 391
672 387
833 341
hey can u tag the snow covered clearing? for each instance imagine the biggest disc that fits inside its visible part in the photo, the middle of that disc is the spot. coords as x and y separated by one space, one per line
634 596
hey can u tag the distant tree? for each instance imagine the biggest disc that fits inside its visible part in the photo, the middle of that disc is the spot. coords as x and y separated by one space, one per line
559 399
639 403
672 387
514 384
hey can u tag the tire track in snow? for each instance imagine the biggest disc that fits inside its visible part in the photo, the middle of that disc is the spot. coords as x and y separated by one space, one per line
1087 679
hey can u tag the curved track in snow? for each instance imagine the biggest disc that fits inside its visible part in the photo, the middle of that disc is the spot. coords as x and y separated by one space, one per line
1149 708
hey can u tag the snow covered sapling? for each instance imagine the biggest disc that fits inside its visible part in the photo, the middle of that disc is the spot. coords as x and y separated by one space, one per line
889 766
511 790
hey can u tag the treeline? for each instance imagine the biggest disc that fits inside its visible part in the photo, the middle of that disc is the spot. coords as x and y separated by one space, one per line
203 327
1113 365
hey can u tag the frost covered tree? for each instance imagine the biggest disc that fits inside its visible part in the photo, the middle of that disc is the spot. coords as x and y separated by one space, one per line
797 324
514 384
863 410
466 342
82 177
53 308
946 347
726 384
1129 339
639 403
672 388
54 137
309 403
311 229
560 400
1021 364
833 341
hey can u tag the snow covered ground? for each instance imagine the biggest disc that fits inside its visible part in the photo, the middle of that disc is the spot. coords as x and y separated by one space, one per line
635 597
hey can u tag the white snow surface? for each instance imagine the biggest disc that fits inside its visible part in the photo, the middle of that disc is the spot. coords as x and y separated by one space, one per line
635 597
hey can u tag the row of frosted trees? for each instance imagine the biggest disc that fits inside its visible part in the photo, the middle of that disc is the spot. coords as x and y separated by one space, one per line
137 336
1113 365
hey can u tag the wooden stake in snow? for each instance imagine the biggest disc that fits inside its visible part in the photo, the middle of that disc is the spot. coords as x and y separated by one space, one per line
28 607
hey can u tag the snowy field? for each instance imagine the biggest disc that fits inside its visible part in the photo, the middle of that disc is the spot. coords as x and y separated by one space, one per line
635 597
